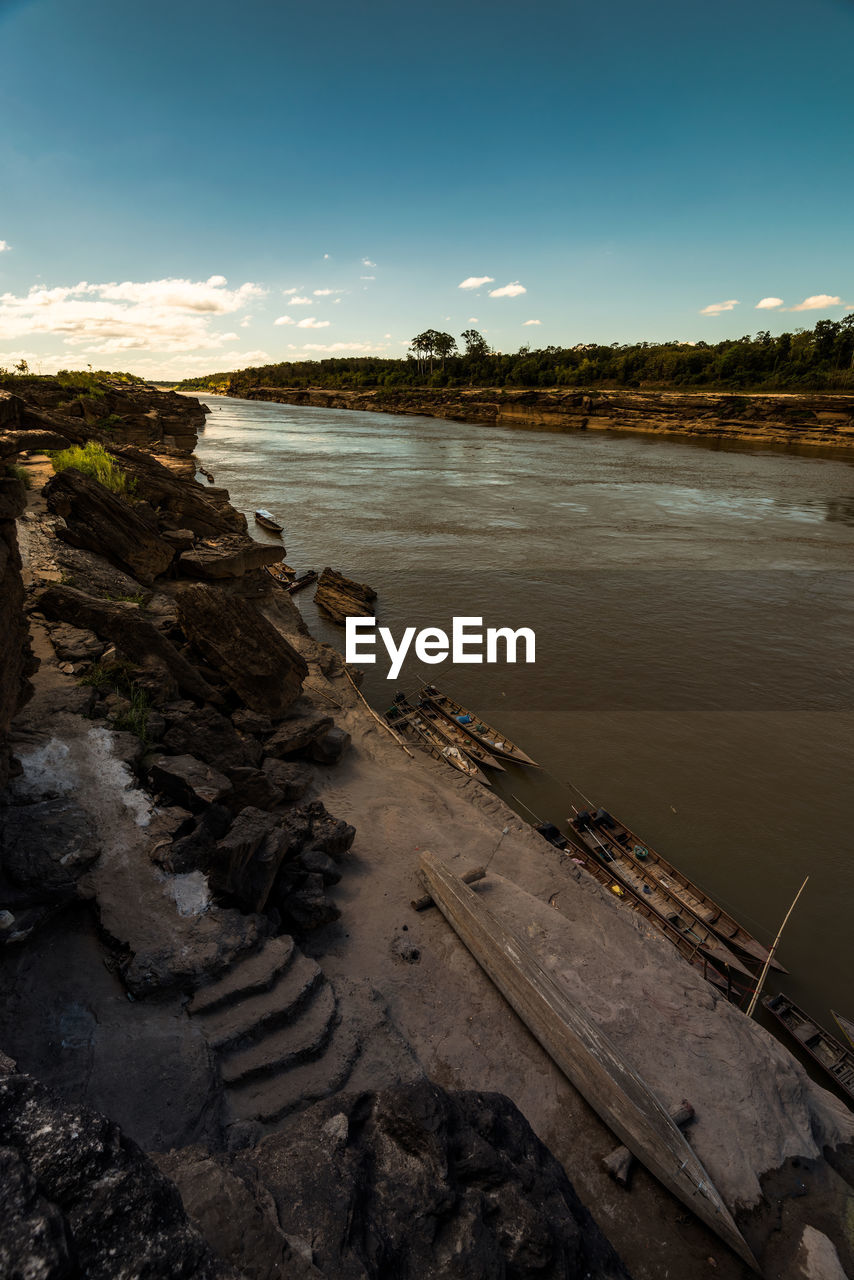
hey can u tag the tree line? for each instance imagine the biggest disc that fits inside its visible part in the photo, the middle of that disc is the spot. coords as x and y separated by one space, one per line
819 359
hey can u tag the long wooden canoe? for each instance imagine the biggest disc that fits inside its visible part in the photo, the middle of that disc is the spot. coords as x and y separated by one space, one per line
830 1053
488 736
454 735
634 876
412 724
589 1060
625 844
729 984
846 1026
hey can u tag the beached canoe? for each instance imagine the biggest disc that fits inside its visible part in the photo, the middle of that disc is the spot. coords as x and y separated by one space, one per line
411 724
304 580
490 738
846 1026
733 985
830 1054
267 521
455 736
282 572
589 1060
623 843
634 875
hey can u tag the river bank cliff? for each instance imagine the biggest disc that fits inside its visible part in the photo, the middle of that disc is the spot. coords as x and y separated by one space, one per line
808 419
208 856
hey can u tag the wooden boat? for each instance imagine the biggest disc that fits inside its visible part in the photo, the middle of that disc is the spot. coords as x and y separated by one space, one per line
454 734
411 723
628 846
267 521
846 1026
633 875
283 573
822 1047
304 580
732 985
589 1060
484 733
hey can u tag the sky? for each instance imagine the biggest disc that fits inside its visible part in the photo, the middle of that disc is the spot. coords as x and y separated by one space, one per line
197 185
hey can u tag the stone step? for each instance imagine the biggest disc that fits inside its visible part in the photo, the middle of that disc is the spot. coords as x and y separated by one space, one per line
271 1097
256 973
304 1039
259 1015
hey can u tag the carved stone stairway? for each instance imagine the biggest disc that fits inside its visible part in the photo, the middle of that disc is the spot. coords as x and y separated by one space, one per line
285 1036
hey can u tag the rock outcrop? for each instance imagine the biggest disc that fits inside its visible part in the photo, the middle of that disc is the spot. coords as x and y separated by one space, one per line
261 667
98 520
81 1199
342 598
820 419
410 1182
18 663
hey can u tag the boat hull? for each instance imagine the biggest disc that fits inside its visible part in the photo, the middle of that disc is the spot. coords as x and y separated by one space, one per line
584 1054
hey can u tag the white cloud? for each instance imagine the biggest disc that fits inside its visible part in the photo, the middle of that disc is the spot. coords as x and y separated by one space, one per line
289 293
4 246
508 290
472 320
246 322
527 322
817 302
366 262
715 308
475 282
367 277
344 346
311 323
768 304
299 302
325 256
336 300
154 315
326 293
284 320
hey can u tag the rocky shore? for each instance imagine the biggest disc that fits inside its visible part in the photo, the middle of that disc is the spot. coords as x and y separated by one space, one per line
809 419
207 954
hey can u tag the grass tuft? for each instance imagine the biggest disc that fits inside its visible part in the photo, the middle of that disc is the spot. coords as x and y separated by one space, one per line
93 460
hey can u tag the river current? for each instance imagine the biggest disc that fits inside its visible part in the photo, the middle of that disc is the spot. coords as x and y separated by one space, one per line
693 607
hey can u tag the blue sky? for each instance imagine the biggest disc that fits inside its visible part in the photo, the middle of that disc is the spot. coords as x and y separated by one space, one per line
171 170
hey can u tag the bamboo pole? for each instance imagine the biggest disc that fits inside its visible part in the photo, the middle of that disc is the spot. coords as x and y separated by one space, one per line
763 975
383 723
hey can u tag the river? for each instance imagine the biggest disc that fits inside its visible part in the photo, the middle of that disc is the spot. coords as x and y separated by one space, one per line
692 604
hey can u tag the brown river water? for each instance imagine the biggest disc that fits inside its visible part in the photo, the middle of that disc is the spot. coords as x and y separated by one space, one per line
693 607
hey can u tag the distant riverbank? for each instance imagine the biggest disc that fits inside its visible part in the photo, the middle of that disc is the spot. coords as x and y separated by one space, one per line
822 420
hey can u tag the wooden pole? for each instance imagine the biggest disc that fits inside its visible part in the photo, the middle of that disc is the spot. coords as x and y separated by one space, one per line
767 964
382 723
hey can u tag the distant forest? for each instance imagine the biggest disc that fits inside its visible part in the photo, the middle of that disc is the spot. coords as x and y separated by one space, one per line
819 359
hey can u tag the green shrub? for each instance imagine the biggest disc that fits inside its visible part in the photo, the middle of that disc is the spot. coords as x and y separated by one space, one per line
93 460
22 474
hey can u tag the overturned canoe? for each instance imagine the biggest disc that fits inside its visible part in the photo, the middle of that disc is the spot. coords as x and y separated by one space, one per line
587 1058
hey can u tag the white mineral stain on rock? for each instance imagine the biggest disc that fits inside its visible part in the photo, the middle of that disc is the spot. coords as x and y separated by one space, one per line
86 767
191 893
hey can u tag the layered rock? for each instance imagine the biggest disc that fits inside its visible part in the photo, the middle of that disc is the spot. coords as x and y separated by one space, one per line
18 662
261 667
97 519
341 597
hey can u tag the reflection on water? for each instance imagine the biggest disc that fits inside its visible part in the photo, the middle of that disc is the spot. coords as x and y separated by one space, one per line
693 605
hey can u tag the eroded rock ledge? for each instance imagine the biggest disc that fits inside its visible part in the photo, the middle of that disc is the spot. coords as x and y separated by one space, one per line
809 419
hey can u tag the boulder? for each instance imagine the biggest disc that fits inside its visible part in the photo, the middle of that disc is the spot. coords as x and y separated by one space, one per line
75 644
44 850
342 598
299 731
195 850
247 860
129 630
253 787
412 1182
316 862
253 722
331 746
101 521
292 779
81 1199
203 732
180 539
235 638
188 781
332 835
183 505
307 906
227 556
